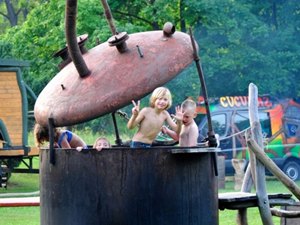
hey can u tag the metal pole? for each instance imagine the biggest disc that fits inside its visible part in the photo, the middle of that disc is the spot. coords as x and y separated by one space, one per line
211 135
51 140
109 17
73 48
118 139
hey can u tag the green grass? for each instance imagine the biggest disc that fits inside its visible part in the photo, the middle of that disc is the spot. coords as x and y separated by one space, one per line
20 183
20 216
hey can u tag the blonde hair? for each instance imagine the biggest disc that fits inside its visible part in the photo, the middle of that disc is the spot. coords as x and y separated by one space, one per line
189 105
161 92
101 138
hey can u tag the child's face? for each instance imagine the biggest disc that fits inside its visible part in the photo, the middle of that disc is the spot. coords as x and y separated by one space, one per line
102 144
188 117
161 103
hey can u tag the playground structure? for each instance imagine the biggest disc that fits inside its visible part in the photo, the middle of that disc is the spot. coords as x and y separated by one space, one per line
14 115
255 174
121 185
162 185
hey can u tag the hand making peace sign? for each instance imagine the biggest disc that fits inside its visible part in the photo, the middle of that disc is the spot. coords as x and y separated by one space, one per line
136 107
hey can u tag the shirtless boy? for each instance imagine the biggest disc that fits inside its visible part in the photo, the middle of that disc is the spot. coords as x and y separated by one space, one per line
151 119
189 133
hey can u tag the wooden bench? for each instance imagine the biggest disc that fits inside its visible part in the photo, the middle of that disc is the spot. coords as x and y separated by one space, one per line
241 200
15 152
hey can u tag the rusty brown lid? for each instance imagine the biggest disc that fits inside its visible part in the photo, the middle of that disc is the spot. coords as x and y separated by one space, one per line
115 78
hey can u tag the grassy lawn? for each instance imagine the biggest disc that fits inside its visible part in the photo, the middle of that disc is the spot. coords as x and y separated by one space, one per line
21 183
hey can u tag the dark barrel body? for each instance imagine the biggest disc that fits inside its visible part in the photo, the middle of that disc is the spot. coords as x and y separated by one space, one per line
128 187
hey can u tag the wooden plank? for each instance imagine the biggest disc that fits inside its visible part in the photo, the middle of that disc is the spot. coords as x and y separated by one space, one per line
7 76
19 202
243 200
34 151
11 153
4 95
9 83
240 196
16 103
12 124
11 112
6 90
263 201
194 150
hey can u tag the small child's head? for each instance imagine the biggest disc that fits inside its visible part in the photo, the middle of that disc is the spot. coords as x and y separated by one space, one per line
189 111
100 143
161 92
41 134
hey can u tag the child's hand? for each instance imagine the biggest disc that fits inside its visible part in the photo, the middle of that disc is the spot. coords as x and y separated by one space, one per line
179 113
164 129
79 149
136 108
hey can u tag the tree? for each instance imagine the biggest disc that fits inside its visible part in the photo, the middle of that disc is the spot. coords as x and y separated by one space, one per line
240 41
14 12
238 47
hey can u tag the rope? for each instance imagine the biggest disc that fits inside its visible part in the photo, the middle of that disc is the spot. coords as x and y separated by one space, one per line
235 134
123 115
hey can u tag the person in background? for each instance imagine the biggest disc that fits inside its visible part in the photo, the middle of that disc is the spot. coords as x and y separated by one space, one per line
101 142
62 138
151 119
188 136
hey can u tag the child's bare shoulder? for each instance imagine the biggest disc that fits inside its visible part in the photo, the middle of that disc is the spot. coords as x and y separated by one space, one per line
166 113
146 109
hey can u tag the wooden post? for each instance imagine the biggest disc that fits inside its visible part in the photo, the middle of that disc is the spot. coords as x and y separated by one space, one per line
263 201
246 187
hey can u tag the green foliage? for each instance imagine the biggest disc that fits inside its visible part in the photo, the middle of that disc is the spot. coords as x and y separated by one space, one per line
240 42
5 50
18 12
238 47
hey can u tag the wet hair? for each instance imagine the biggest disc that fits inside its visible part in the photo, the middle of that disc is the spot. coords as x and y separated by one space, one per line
161 92
41 134
189 104
101 138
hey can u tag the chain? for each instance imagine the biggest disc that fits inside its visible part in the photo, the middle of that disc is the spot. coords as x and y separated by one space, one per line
123 115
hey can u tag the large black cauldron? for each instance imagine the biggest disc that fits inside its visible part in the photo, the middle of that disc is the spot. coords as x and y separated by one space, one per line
121 186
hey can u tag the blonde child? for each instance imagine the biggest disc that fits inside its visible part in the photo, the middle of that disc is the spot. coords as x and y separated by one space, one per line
151 119
62 138
100 143
189 133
